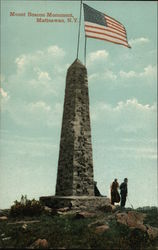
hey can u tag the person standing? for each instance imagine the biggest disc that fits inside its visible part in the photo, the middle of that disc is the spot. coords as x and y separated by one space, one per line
115 197
123 192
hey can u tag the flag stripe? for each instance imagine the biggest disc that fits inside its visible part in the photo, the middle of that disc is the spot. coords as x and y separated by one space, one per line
105 39
106 33
115 25
110 20
115 28
100 27
105 29
113 20
117 32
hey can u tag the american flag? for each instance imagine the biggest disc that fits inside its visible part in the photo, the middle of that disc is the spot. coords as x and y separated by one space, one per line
104 27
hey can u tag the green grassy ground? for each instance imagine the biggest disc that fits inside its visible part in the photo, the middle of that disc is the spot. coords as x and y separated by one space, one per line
69 232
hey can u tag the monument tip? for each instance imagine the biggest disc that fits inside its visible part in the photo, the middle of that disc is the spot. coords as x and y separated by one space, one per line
77 63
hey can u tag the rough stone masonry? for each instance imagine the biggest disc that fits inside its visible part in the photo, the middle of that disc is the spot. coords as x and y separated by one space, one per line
75 184
75 165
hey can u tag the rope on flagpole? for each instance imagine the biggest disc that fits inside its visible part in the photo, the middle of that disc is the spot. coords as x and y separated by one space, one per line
79 29
85 46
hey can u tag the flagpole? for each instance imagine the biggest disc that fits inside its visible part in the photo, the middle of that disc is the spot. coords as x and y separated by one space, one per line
85 47
79 29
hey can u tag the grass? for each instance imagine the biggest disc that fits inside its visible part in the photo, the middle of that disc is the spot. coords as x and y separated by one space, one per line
66 231
152 217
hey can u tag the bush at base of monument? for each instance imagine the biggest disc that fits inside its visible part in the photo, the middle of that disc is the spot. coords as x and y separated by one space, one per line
26 207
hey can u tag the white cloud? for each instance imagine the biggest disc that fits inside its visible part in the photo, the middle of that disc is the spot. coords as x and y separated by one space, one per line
4 99
129 74
55 51
108 74
129 116
139 41
42 75
149 71
37 74
35 89
93 76
21 61
39 57
133 104
3 93
98 55
36 115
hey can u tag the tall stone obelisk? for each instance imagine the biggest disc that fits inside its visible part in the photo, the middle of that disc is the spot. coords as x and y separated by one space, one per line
75 165
75 184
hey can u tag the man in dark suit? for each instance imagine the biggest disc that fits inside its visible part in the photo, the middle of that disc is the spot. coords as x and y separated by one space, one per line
123 192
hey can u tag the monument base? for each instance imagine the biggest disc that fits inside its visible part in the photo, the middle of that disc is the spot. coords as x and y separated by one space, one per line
75 202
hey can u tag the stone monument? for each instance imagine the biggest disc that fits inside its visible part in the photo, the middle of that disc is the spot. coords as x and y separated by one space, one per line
75 167
75 183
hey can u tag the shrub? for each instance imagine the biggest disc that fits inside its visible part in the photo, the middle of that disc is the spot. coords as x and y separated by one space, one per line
26 207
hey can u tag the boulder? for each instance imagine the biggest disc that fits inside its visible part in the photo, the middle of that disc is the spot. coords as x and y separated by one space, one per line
24 226
101 229
47 209
6 238
63 209
2 218
131 219
98 222
40 243
152 232
82 215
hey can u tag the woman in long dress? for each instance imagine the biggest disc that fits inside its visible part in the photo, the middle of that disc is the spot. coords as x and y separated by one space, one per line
115 197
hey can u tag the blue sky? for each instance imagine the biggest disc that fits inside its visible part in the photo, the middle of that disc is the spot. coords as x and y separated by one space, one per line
122 90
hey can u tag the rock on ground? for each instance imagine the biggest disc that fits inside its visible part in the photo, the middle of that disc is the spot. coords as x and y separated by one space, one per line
82 215
107 208
101 229
152 232
40 243
2 218
131 219
134 220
